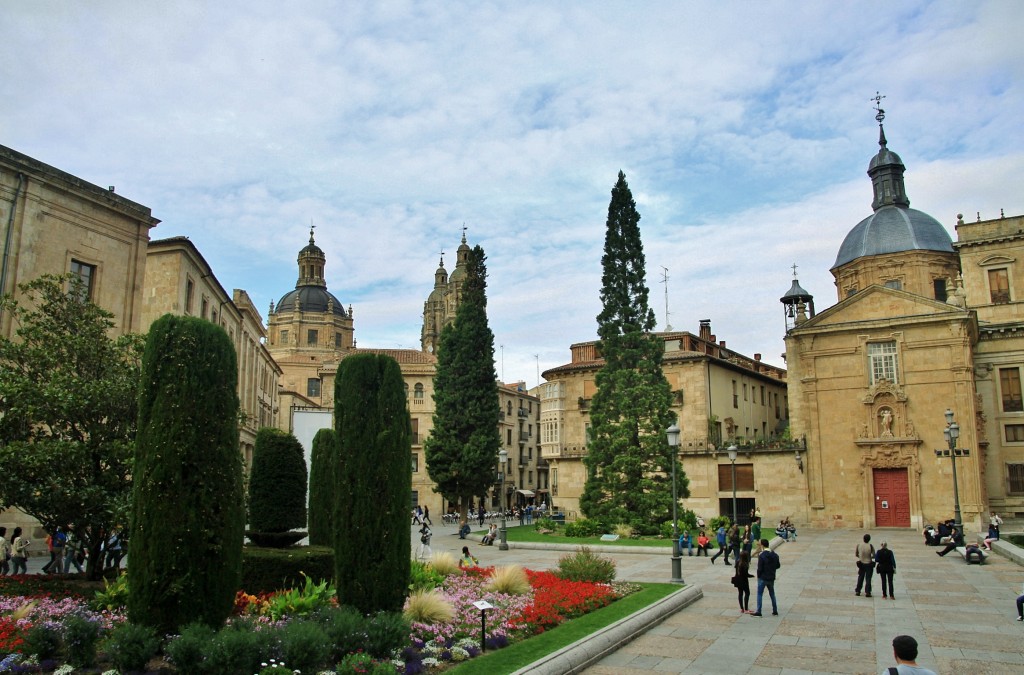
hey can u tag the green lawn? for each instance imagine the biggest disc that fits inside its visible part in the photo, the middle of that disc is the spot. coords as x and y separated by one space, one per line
523 653
528 533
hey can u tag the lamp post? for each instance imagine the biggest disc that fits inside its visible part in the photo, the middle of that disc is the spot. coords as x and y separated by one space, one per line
733 450
677 555
503 458
952 433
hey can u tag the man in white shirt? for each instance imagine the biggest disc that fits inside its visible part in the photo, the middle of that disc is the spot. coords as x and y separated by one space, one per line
904 650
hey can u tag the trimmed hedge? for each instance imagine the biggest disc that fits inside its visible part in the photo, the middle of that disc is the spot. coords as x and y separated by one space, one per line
323 471
277 484
265 570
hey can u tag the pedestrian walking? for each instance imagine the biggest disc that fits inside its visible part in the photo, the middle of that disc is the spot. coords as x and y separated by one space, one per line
885 562
904 650
865 554
734 544
741 580
720 537
72 547
5 553
426 515
19 552
425 552
768 564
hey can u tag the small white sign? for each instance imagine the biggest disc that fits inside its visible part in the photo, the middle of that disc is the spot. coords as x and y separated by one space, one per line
609 537
482 605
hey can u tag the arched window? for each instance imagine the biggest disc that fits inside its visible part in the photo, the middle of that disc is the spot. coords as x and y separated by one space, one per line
418 392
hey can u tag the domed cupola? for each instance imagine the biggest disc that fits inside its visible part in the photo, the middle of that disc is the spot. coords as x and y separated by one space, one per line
894 227
311 294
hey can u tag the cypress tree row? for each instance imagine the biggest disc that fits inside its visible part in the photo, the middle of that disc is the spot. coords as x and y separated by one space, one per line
629 460
188 513
322 470
373 487
277 487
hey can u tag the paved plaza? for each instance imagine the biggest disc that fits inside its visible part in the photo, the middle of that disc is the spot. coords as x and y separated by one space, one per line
963 616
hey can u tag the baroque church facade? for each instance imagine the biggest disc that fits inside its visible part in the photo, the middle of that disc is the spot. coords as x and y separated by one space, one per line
925 330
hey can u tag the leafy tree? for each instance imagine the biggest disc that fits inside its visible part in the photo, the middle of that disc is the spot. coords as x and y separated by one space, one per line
629 461
462 449
67 412
373 484
188 515
277 487
322 472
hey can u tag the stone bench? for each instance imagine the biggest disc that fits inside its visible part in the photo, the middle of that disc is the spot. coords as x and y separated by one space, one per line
977 556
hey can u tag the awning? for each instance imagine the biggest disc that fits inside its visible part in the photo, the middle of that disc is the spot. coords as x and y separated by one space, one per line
525 493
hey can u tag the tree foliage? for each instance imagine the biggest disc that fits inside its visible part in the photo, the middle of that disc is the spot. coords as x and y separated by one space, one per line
373 483
277 483
188 517
629 461
461 452
322 472
67 412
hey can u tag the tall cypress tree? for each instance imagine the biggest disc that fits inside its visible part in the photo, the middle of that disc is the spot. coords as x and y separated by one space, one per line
629 461
188 514
277 489
373 487
322 471
462 450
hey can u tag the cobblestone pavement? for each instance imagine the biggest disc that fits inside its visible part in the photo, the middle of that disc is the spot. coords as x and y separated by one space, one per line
963 616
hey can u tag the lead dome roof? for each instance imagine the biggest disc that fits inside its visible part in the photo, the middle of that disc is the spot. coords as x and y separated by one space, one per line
893 229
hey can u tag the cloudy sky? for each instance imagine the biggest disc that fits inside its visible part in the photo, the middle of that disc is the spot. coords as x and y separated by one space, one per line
744 129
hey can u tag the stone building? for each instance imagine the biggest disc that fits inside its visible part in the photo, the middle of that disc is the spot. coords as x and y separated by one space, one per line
722 398
440 306
526 473
179 281
872 377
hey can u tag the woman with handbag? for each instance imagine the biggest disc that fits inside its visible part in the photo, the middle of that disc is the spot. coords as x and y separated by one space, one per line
885 565
742 582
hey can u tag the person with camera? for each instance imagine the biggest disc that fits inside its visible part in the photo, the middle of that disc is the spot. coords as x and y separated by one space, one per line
19 552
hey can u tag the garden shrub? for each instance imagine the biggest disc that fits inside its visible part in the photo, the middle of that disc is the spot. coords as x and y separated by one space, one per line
546 523
301 600
717 522
304 646
187 650
373 486
188 507
345 627
43 640
385 633
423 576
322 470
585 527
363 664
509 579
428 606
81 636
626 532
113 596
585 565
130 646
237 650
277 483
265 570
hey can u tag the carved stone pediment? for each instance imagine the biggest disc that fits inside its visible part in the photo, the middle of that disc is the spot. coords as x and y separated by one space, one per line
889 457
885 421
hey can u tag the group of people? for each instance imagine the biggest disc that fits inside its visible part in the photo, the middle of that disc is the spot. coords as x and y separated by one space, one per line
869 561
65 548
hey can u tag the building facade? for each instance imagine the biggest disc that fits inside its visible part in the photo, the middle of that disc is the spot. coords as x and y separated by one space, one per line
179 281
721 398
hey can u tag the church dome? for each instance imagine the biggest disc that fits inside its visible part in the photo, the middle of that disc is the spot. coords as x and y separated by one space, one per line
893 229
311 299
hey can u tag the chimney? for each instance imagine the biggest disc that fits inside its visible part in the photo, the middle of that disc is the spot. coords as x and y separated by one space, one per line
705 330
757 357
722 344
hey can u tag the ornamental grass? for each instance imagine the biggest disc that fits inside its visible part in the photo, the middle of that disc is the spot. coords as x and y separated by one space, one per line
428 606
510 579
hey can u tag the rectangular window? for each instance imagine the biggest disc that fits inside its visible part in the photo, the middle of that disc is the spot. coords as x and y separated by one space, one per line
1015 478
284 336
894 283
312 335
206 307
735 396
744 477
1009 385
999 286
744 392
82 275
762 395
1014 433
337 340
940 290
415 462
882 361
313 387
190 291
530 477
415 498
415 429
508 441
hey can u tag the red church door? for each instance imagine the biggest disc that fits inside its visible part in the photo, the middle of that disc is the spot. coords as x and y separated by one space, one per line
892 498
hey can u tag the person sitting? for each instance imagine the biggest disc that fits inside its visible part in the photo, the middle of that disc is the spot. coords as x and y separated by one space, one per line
790 530
467 560
781 531
931 537
463 530
703 544
686 542
954 540
491 535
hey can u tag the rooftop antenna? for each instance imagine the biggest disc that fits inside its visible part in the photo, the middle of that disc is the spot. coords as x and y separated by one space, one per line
502 363
664 280
536 358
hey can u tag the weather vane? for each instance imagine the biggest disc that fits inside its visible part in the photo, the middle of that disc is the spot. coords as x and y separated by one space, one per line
878 101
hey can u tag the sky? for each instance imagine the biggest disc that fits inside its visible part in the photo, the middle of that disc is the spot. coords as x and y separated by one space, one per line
744 130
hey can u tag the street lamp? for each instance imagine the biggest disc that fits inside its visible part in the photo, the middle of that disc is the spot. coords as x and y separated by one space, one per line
952 433
503 458
677 555
732 458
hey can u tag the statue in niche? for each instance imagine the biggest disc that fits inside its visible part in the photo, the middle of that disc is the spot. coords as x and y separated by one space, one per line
886 423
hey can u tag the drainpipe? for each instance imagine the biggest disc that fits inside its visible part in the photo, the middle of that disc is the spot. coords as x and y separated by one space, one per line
9 235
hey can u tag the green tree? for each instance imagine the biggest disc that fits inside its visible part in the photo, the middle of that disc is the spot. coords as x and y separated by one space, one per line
322 471
67 412
277 485
462 450
188 515
373 484
629 461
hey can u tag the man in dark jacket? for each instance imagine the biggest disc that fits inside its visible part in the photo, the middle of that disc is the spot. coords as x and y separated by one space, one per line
767 563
